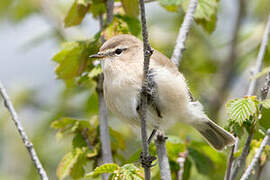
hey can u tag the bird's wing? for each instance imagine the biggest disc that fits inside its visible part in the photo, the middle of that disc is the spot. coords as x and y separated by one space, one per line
164 61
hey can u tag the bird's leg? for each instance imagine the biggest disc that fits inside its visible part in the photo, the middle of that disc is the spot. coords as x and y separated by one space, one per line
153 133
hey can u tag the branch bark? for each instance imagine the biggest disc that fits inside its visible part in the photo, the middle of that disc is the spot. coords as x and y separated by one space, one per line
143 99
241 162
255 159
27 143
183 33
164 166
103 121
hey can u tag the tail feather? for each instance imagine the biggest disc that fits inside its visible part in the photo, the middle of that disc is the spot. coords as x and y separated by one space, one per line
216 136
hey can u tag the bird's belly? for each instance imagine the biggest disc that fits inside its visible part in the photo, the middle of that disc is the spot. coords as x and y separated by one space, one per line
122 101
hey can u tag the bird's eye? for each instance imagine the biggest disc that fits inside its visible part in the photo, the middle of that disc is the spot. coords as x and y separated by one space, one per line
118 51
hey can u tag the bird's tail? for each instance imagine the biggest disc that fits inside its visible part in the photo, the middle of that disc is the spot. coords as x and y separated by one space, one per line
215 135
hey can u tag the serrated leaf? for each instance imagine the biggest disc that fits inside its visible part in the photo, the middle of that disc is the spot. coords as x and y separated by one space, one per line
76 13
240 110
203 163
266 103
131 7
105 168
67 163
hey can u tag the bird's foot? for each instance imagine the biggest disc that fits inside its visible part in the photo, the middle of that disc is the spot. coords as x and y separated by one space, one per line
147 161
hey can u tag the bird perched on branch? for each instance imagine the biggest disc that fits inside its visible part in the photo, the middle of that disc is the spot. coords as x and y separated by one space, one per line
169 99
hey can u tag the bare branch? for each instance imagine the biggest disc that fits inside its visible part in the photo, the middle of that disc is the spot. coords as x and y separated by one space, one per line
183 32
109 8
260 58
103 121
241 161
164 166
256 157
143 99
27 143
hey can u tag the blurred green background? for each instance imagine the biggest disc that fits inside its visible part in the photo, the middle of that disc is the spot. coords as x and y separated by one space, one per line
31 32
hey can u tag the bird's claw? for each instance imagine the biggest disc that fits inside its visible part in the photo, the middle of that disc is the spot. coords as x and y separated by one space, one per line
147 161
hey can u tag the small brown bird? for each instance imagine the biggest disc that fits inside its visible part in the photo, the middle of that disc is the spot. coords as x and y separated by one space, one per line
122 63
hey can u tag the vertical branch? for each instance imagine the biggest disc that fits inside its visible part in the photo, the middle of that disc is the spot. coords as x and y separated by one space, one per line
183 33
255 159
164 166
143 99
258 66
241 162
27 143
103 121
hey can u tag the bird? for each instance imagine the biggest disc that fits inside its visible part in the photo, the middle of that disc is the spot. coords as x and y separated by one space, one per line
122 60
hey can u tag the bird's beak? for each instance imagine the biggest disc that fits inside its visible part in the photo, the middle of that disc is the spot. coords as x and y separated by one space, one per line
98 55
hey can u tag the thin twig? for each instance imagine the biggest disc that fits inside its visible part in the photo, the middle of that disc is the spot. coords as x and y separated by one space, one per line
181 160
229 164
164 166
143 99
241 161
260 58
255 159
27 143
183 32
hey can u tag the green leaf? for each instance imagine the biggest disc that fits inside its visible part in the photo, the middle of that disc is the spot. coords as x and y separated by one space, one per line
77 170
266 103
131 7
203 163
95 72
133 23
105 168
97 8
78 141
240 110
73 59
205 13
171 5
76 13
70 59
67 163
63 123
